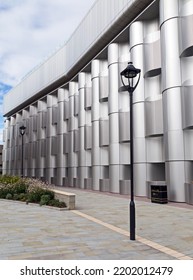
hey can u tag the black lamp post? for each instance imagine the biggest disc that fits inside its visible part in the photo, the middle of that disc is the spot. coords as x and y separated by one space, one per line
22 132
130 73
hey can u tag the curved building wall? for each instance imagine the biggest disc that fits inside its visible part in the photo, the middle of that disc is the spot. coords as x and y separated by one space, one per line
78 134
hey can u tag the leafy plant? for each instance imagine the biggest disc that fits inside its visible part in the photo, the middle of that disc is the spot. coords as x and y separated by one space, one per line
9 196
57 203
27 189
44 199
8 179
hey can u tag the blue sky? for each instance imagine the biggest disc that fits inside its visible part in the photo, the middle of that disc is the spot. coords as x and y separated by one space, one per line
30 31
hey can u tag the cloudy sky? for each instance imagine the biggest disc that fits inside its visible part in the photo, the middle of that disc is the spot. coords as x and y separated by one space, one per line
30 31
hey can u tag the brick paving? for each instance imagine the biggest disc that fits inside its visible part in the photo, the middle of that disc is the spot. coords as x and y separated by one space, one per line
97 229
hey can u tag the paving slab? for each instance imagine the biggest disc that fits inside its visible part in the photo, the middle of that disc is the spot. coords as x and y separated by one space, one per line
97 229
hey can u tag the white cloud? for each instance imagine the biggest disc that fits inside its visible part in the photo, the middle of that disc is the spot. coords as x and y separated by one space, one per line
30 31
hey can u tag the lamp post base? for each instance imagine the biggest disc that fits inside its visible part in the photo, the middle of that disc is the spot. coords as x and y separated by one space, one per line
132 220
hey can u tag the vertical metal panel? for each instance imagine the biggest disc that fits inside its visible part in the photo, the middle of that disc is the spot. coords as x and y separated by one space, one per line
54 147
103 88
124 127
76 141
66 143
76 105
88 137
55 115
88 98
44 119
154 117
66 110
104 132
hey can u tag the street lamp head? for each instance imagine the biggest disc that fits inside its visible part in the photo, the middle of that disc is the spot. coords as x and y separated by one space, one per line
22 130
130 72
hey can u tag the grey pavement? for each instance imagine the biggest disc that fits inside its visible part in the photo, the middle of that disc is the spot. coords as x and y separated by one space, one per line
97 229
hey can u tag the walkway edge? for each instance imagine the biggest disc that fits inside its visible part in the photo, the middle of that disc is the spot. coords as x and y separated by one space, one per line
154 245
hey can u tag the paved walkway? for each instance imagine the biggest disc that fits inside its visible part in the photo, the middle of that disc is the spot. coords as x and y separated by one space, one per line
97 229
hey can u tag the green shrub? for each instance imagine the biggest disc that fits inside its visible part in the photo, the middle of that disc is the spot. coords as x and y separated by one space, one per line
23 197
35 194
44 199
57 203
9 196
20 187
27 189
4 190
8 179
16 196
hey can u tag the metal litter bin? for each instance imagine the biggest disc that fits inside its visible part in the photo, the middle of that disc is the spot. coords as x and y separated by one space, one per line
159 194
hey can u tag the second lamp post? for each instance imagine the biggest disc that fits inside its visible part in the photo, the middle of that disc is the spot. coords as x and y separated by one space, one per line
22 132
130 73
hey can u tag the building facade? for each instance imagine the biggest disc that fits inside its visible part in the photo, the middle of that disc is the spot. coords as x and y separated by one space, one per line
77 120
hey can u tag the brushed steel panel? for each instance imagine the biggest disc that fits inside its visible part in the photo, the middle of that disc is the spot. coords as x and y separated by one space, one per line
88 137
96 156
187 105
103 88
88 98
95 177
172 110
104 155
186 42
124 172
124 150
114 153
140 179
168 9
124 187
189 193
66 143
103 132
44 119
76 141
174 145
104 185
152 57
139 120
95 134
114 178
171 73
124 127
95 91
188 146
113 53
88 183
188 165
66 110
76 104
113 98
54 146
139 148
154 117
114 128
88 155
137 57
155 149
175 179
54 115
136 34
